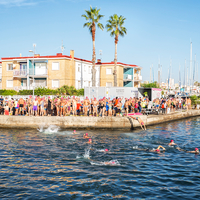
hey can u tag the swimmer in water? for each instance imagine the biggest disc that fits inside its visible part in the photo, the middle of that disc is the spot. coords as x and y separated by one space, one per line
196 150
140 121
74 132
106 149
89 141
110 163
86 136
172 143
156 150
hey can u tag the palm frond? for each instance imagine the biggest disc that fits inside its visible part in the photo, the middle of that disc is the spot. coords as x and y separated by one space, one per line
99 25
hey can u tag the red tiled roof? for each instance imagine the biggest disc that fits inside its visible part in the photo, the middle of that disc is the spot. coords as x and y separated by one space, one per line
59 55
83 60
119 63
56 56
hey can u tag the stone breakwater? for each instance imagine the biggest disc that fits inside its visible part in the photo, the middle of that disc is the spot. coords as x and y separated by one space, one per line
91 122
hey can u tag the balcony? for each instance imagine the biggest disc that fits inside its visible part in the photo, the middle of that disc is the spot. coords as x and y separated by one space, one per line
39 72
128 77
137 78
19 73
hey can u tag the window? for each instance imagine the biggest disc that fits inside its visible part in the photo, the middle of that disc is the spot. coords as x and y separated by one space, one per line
79 69
85 68
9 83
9 67
109 71
79 84
55 66
108 84
40 83
55 83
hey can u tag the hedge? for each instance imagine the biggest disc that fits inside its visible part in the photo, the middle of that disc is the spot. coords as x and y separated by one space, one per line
64 90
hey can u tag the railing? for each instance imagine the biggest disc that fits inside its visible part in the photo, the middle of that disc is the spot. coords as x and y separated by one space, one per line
128 77
38 72
20 72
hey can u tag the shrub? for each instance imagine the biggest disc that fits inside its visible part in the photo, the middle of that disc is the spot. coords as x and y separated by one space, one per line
64 90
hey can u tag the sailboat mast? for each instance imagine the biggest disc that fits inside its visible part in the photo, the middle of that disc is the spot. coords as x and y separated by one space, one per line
190 65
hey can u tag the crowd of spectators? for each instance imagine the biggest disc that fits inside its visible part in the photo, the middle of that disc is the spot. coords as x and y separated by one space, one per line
73 106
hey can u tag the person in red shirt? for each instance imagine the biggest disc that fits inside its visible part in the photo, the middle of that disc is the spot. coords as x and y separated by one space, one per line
115 105
78 108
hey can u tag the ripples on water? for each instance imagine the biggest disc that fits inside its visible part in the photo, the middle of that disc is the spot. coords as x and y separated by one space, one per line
49 163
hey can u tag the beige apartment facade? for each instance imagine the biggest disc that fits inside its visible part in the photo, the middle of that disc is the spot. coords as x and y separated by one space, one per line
127 75
38 71
26 73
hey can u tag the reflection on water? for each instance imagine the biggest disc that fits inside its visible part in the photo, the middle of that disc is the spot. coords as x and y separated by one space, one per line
50 163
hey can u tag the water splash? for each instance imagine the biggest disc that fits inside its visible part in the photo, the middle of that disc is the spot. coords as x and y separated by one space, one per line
135 147
40 129
111 162
87 153
51 129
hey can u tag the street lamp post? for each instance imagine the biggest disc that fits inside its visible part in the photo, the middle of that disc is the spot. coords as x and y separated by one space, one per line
33 51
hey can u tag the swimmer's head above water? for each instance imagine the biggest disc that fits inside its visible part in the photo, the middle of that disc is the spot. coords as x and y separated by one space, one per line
106 149
196 150
90 141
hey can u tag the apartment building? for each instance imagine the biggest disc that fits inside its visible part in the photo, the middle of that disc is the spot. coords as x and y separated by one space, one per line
20 73
45 71
83 73
127 75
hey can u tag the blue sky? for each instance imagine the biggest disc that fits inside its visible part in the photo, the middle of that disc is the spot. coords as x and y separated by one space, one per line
156 29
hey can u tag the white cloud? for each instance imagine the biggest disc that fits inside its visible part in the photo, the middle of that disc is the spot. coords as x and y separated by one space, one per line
17 2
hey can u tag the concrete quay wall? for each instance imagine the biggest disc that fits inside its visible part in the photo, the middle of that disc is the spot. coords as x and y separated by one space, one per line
91 122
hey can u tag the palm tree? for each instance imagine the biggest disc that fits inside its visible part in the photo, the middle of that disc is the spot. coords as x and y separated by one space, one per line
115 26
93 17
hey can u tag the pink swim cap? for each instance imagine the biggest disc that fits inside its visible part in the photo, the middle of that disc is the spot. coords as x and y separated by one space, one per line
74 130
172 141
196 149
86 134
90 140
113 162
157 150
106 149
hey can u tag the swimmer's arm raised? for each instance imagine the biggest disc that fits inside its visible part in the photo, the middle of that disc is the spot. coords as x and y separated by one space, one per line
161 147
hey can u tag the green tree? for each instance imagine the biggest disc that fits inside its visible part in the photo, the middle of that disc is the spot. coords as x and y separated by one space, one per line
116 26
92 17
150 85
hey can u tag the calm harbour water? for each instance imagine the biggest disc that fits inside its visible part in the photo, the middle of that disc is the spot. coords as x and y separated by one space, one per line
54 164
